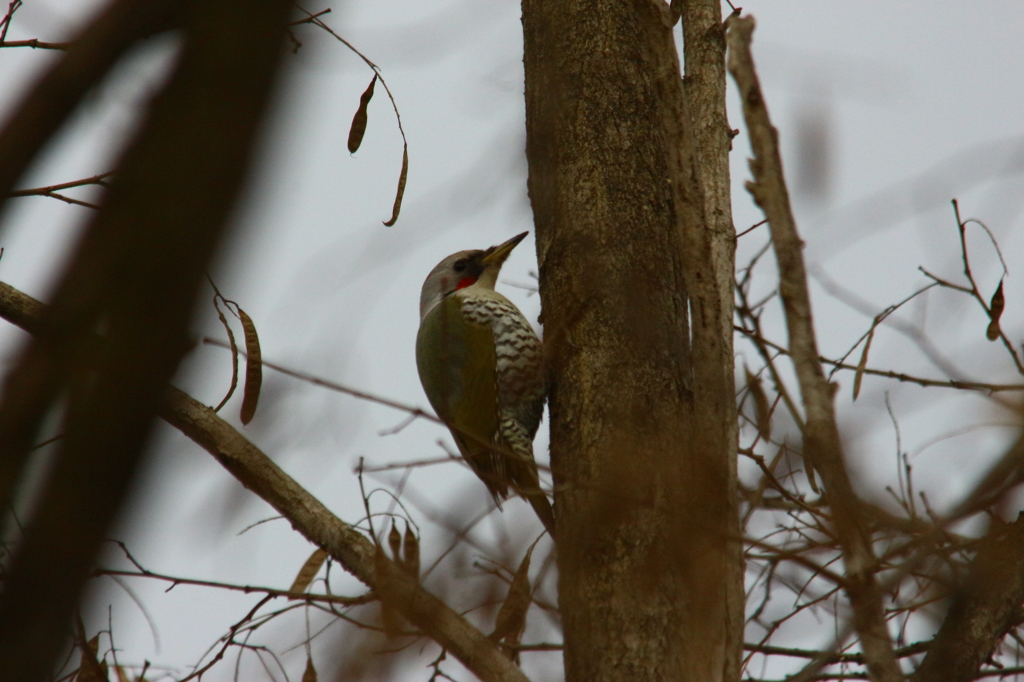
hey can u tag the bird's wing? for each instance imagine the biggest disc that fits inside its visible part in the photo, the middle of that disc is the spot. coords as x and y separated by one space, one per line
457 365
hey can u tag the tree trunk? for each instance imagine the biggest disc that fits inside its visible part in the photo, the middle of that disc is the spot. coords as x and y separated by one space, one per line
642 407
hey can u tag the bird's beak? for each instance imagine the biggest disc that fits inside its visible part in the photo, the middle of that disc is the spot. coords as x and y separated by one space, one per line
496 255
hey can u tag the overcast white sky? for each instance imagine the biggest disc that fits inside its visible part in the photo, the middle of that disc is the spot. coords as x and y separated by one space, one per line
910 104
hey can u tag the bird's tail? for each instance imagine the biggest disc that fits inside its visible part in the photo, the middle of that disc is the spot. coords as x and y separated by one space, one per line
522 469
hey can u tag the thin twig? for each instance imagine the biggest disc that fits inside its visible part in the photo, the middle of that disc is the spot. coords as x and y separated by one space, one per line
832 657
36 44
316 21
890 374
248 589
6 21
53 191
100 180
332 385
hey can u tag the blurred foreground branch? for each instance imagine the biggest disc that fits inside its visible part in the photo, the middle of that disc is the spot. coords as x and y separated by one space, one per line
984 609
54 191
87 60
135 275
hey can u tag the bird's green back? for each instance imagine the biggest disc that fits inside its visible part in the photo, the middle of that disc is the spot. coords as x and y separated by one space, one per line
457 364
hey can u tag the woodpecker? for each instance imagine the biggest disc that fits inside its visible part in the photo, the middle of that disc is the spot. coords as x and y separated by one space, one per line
481 366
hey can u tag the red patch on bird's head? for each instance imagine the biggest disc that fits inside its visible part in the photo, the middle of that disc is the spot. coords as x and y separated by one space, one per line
465 282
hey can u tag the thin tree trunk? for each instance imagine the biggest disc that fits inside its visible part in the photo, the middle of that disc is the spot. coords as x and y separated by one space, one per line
705 87
642 409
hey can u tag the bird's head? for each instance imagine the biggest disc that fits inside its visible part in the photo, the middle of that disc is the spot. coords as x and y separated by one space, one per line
465 269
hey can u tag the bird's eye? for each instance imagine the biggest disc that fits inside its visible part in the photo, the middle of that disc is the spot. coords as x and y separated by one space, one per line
459 266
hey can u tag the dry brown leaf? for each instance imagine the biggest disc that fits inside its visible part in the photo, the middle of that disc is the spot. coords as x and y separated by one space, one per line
122 676
308 571
89 668
995 311
310 674
862 365
395 542
401 186
411 555
253 368
762 409
358 128
511 620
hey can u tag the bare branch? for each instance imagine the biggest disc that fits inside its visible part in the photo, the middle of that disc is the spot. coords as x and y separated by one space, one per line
352 549
247 589
309 516
759 340
831 657
821 434
5 23
36 44
53 191
315 20
334 386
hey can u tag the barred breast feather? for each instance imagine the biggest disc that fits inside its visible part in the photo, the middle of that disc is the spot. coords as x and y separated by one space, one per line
519 358
481 366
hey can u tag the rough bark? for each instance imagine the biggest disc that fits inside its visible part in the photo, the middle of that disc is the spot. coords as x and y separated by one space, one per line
640 433
705 88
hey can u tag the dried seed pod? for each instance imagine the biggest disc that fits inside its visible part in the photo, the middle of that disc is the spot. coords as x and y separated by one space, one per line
401 186
995 311
411 553
310 674
391 620
395 542
862 365
90 669
358 127
308 571
253 368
